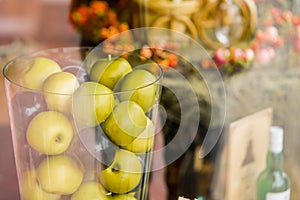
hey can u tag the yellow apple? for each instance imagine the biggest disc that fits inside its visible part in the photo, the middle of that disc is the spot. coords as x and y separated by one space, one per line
78 71
90 191
124 174
58 89
144 142
31 190
126 122
139 86
26 105
36 72
129 196
49 132
59 174
92 104
109 72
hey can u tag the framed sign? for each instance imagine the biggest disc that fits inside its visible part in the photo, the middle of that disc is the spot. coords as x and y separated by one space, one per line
248 141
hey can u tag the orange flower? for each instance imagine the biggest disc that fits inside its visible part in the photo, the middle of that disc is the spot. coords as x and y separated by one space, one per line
80 15
112 16
97 21
104 33
123 27
97 6
296 20
173 60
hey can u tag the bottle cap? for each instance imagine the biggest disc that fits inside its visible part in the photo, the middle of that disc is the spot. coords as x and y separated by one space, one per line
276 139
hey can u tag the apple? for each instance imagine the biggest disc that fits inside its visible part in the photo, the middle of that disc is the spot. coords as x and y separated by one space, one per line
129 196
59 174
58 89
109 72
90 191
36 71
31 190
139 86
49 132
144 142
124 174
78 71
92 104
126 122
25 106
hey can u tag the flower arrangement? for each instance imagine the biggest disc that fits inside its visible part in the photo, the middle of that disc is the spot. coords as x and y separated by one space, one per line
233 60
162 53
96 21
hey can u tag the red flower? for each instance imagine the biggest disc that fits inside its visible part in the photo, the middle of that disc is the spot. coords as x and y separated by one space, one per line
296 20
221 56
236 54
264 55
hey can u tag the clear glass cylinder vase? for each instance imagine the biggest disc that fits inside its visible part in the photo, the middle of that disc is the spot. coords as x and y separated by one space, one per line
82 123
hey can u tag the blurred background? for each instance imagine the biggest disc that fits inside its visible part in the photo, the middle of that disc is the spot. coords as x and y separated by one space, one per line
36 22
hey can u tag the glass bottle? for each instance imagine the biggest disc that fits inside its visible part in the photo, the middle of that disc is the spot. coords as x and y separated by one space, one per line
273 183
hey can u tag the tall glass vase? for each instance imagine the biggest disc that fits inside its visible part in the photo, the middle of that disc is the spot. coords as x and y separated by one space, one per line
76 134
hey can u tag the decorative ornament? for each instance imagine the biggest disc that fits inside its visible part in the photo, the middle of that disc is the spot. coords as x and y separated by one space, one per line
175 15
223 23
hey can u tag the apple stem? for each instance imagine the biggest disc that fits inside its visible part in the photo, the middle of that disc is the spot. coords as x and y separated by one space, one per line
116 167
58 139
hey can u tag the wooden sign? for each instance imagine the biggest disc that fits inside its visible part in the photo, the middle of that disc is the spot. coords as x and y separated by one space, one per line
248 142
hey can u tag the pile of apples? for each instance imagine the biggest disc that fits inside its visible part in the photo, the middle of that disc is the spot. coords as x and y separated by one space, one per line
114 101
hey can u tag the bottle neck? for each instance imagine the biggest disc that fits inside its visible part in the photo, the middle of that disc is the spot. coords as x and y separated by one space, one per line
274 161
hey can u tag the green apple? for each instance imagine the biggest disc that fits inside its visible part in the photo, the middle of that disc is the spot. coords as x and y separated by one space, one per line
144 142
35 72
49 132
92 104
139 86
129 196
90 191
109 72
58 89
31 190
60 174
124 174
126 122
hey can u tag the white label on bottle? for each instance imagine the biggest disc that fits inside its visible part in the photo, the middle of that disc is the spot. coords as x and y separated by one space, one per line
279 196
